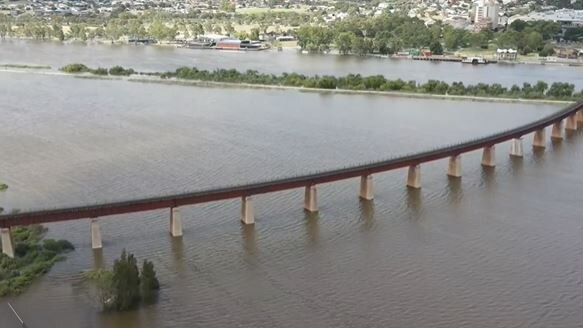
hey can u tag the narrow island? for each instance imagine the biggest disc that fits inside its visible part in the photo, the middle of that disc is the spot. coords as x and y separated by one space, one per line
557 91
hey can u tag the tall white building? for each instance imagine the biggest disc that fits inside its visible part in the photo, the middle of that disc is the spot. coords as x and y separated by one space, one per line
486 13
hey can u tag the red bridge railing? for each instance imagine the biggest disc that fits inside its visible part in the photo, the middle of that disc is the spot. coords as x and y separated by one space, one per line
203 196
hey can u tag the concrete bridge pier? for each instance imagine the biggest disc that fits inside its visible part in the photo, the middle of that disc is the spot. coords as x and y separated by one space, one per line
7 243
539 139
247 212
175 222
580 116
311 199
557 132
414 176
366 190
95 234
489 156
571 122
455 166
516 148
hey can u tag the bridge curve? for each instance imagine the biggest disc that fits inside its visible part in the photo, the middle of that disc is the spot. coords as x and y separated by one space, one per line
573 114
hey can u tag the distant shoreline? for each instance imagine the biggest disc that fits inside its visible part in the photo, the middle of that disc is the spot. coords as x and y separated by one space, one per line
200 83
166 44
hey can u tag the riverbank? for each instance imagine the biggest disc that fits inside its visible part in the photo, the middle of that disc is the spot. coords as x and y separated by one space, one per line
215 84
35 256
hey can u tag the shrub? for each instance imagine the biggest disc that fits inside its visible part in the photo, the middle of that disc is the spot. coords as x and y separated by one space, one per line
118 70
65 245
75 68
100 71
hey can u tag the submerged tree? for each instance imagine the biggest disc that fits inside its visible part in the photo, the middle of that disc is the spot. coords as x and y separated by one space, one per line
125 282
149 284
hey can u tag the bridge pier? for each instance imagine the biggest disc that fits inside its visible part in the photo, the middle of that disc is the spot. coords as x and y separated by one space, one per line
247 212
571 122
580 116
516 148
311 199
557 132
95 234
414 176
455 166
7 242
489 156
366 190
539 139
175 222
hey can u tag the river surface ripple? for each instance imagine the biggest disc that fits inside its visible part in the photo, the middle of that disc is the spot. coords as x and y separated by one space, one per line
498 248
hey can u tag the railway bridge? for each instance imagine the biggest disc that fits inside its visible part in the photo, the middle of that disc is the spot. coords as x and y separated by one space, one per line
566 119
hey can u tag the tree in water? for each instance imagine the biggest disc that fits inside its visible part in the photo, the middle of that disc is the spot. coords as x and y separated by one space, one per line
125 282
149 284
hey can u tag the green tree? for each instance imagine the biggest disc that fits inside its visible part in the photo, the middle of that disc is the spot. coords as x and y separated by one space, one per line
344 42
149 284
534 41
58 32
125 282
315 38
436 48
548 50
361 45
254 34
454 38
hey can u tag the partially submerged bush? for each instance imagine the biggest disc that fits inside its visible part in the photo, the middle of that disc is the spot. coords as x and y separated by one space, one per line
75 68
118 70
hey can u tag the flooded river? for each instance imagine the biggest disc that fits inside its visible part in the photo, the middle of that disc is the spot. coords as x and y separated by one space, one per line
155 58
498 248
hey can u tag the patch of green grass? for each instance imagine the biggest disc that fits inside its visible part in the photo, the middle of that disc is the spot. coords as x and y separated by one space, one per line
32 258
25 66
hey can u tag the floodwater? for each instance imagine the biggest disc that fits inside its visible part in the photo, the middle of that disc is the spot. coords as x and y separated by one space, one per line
155 58
497 248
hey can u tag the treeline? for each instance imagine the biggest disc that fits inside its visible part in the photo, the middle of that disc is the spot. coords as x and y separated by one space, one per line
540 90
80 68
356 34
152 24
390 33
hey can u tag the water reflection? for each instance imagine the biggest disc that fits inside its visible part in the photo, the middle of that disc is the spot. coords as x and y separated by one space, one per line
248 236
454 190
516 166
414 202
488 177
311 223
367 214
177 248
98 259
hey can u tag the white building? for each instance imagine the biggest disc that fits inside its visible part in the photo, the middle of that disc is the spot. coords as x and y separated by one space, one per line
486 13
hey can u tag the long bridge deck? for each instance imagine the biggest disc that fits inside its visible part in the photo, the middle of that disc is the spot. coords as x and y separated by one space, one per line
573 114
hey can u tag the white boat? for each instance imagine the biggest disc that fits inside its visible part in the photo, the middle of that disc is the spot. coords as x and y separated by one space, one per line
474 60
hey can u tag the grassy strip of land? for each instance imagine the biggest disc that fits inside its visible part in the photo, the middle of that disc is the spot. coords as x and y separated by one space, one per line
34 256
25 66
557 91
